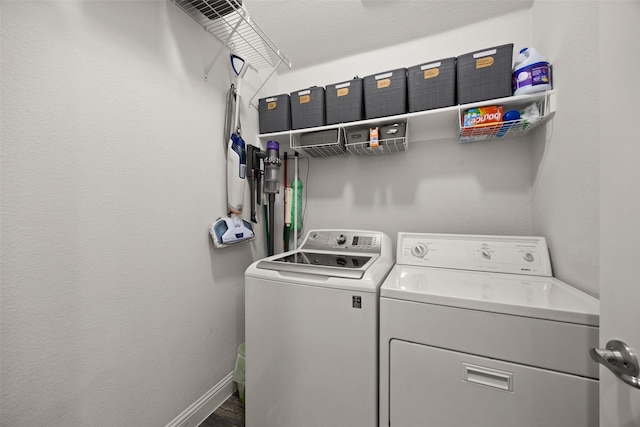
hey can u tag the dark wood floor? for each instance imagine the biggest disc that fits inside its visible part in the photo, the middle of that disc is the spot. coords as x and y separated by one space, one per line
229 414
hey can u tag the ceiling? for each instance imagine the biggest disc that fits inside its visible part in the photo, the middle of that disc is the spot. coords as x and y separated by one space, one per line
310 32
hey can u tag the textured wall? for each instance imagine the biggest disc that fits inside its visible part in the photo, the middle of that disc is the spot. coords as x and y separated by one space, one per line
566 164
116 309
543 184
436 186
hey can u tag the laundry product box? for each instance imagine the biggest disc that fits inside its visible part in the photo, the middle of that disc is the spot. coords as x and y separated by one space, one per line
308 108
345 101
485 74
385 94
432 85
274 113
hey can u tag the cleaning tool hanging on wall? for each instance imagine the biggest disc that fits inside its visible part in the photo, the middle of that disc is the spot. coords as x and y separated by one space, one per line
254 176
232 228
296 204
288 192
271 184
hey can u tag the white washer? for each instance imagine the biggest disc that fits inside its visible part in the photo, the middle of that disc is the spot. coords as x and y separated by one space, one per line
311 331
475 331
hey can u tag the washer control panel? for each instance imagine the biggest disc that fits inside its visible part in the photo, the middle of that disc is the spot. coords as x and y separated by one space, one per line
343 240
500 254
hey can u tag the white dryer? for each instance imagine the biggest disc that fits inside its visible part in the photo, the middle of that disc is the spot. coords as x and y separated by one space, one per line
311 331
475 331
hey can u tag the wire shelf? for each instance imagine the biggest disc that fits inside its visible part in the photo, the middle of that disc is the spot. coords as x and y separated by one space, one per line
320 144
230 23
385 146
508 129
505 129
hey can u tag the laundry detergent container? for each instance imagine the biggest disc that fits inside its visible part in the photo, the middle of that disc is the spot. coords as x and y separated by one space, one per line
485 74
385 94
432 85
308 108
274 113
344 101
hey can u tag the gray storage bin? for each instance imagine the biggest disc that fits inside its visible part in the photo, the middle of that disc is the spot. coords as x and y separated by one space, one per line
307 108
392 131
274 113
385 94
321 137
357 135
432 85
485 74
344 102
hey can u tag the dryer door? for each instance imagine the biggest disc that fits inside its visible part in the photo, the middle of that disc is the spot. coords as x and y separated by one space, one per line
452 389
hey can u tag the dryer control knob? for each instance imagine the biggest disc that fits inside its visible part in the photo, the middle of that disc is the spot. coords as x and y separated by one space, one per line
528 256
341 239
419 250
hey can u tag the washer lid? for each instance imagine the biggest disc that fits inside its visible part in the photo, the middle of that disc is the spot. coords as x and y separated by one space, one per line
351 266
520 295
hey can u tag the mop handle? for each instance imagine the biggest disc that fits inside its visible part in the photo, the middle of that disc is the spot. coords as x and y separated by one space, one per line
236 119
295 205
285 236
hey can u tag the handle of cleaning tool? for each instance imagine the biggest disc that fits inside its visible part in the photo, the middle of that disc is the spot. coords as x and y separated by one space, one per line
297 203
236 173
237 65
286 211
288 194
251 177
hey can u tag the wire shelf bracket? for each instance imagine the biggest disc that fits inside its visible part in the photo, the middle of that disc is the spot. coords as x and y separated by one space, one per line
230 23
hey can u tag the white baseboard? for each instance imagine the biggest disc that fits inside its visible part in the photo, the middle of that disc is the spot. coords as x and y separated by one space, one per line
200 410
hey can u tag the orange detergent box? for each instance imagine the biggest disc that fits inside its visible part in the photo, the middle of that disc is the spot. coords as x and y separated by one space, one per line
482 116
480 123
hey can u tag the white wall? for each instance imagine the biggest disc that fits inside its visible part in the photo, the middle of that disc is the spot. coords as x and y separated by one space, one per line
437 186
566 181
116 309
543 184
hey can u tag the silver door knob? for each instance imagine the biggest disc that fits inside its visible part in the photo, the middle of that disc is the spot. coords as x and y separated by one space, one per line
620 359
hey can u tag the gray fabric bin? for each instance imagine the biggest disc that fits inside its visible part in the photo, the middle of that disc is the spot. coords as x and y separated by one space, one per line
307 108
485 74
344 102
432 85
274 114
385 94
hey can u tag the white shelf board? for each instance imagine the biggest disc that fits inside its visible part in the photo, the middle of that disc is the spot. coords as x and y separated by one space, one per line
430 125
